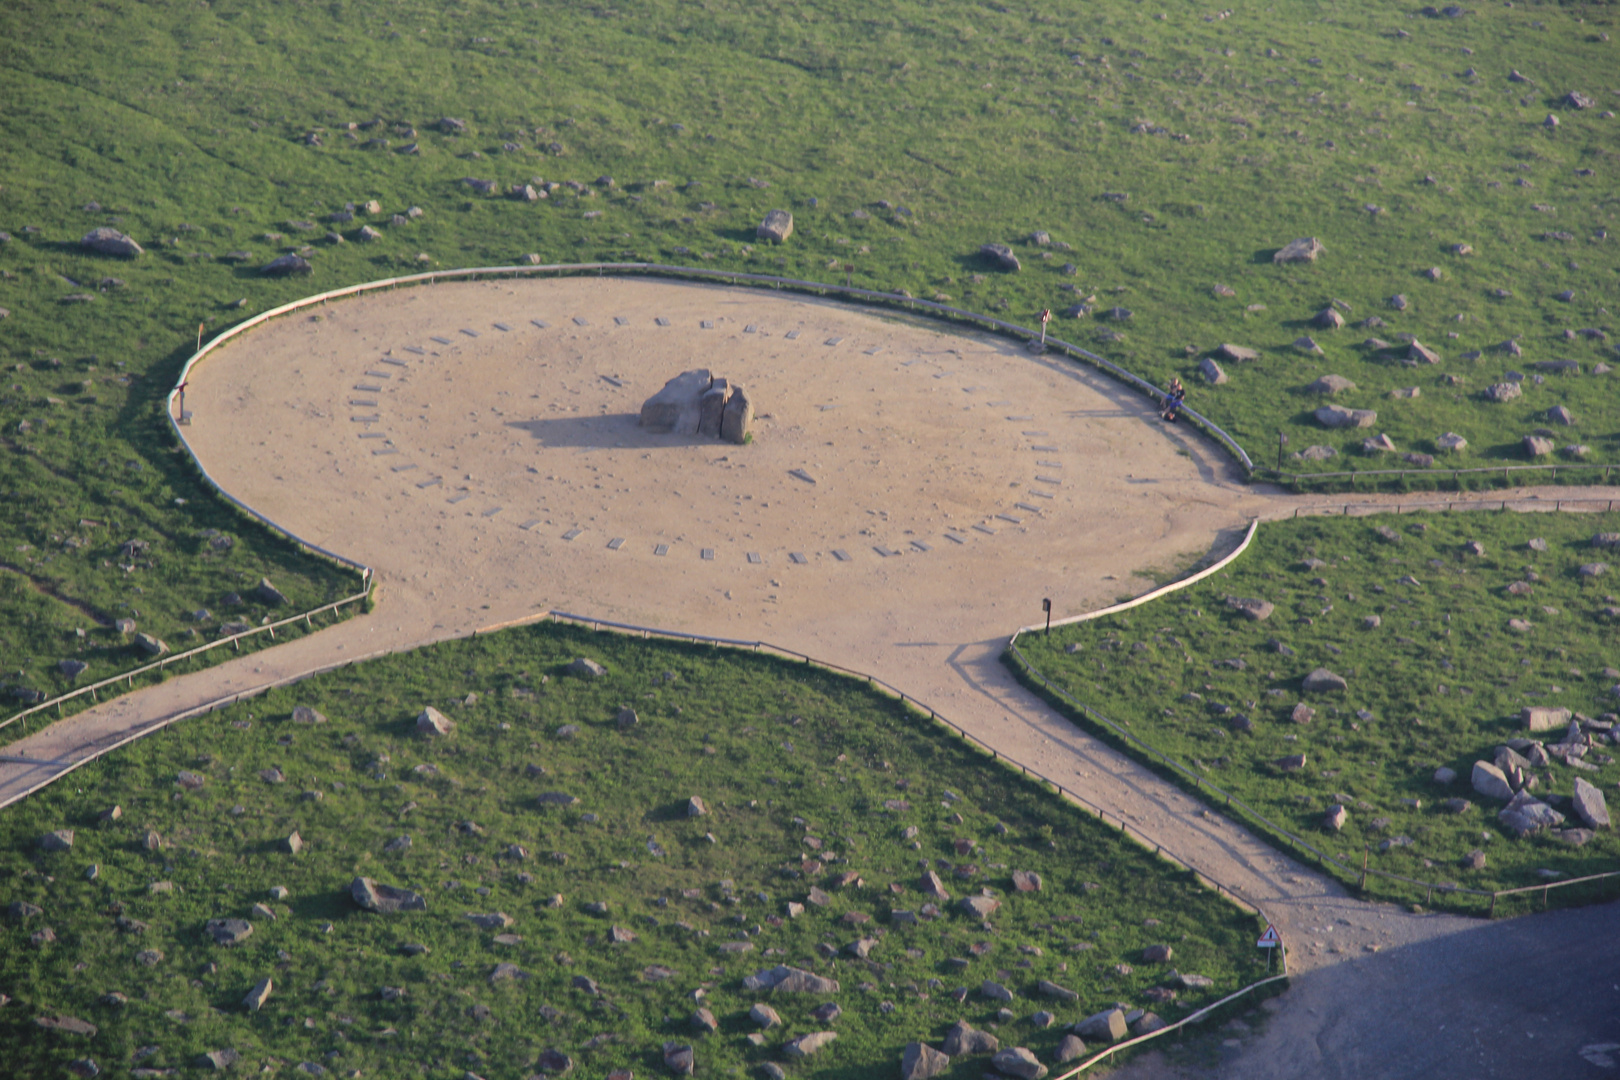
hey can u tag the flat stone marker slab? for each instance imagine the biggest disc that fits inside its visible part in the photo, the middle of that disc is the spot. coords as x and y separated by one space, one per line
1009 517
385 450
581 321
573 534
797 558
987 530
357 403
389 360
753 557
999 403
885 552
661 321
834 340
364 389
920 546
463 497
469 333
841 555
620 320
364 419
1049 480
1045 449
1036 434
440 340
405 468
874 350
708 553
750 329
1027 506
1050 464
706 324
616 543
1021 418
503 327
1040 494
492 511
953 538
431 483
800 474
381 374
541 323
611 381
661 549
792 335
373 435
409 349
531 523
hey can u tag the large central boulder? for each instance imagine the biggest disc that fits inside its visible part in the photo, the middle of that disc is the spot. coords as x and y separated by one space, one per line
696 403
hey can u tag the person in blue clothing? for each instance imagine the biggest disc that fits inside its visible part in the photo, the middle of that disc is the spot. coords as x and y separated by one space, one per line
1172 401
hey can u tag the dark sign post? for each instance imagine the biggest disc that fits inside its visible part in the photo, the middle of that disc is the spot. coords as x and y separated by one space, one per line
849 269
1046 606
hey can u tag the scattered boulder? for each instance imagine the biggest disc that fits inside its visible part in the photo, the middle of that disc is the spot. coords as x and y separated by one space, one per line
703 1020
1307 344
1451 442
218 1060
1544 718
1251 608
1026 881
1378 444
963 1038
919 1061
1335 817
1236 354
1305 249
384 899
995 991
1302 713
586 667
1525 814
1503 391
1070 1048
764 1016
303 714
1211 371
1445 775
1000 256
286 266
109 241
1337 416
267 593
150 645
1018 1062
1417 352
1536 446
678 1058
980 907
228 931
433 723
1327 319
1322 680
1049 989
777 226
1157 954
809 1043
1292 763
292 844
258 995
58 840
1330 384
695 807
1589 804
1108 1025
1491 781
790 980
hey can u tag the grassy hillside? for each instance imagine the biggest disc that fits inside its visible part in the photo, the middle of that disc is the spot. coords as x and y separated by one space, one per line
806 777
1441 649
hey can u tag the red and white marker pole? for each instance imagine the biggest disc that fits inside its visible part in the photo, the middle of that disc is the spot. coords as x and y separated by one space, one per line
1046 317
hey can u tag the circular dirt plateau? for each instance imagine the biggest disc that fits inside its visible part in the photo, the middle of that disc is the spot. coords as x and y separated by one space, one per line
489 431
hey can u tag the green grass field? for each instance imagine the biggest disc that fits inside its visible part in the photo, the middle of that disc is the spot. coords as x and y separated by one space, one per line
1439 681
799 769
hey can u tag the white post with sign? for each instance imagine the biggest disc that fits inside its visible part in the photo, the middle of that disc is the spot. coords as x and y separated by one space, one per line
1268 941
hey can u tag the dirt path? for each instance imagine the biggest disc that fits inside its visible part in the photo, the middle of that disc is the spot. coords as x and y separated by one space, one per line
911 496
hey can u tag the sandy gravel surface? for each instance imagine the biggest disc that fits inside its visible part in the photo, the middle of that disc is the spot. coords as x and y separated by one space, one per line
911 495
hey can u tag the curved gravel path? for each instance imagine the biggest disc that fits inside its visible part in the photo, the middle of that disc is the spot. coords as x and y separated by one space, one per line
912 494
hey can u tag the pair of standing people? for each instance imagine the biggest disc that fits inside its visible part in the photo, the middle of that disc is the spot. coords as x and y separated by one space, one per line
1171 409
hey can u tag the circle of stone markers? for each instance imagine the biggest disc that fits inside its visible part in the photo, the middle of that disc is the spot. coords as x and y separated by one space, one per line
375 375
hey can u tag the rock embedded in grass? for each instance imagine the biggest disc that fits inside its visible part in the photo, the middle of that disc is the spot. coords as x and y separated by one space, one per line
1305 249
790 980
109 241
1590 805
1019 1062
919 1061
1322 681
430 722
962 1038
586 668
1330 384
1000 256
58 840
258 995
994 991
1211 372
1327 319
1335 817
1337 416
1251 608
228 931
776 227
384 899
1108 1025
679 1058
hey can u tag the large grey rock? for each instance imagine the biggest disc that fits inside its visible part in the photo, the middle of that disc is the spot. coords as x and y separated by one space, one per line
1491 781
1451 442
695 807
932 886
1108 1025
703 1020
677 409
1000 256
218 1060
433 723
1322 680
679 1059
1236 354
738 417
58 840
1049 989
228 931
1070 1048
1019 1062
963 1038
980 907
258 995
303 714
286 266
1305 249
1330 384
995 991
586 667
1327 319
1526 814
1337 416
790 980
1251 608
1211 371
1503 391
384 899
109 241
1590 805
777 226
808 1043
267 593
1417 352
1544 718
150 645
1538 446
765 1016
919 1061
1026 881
1335 817
712 408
